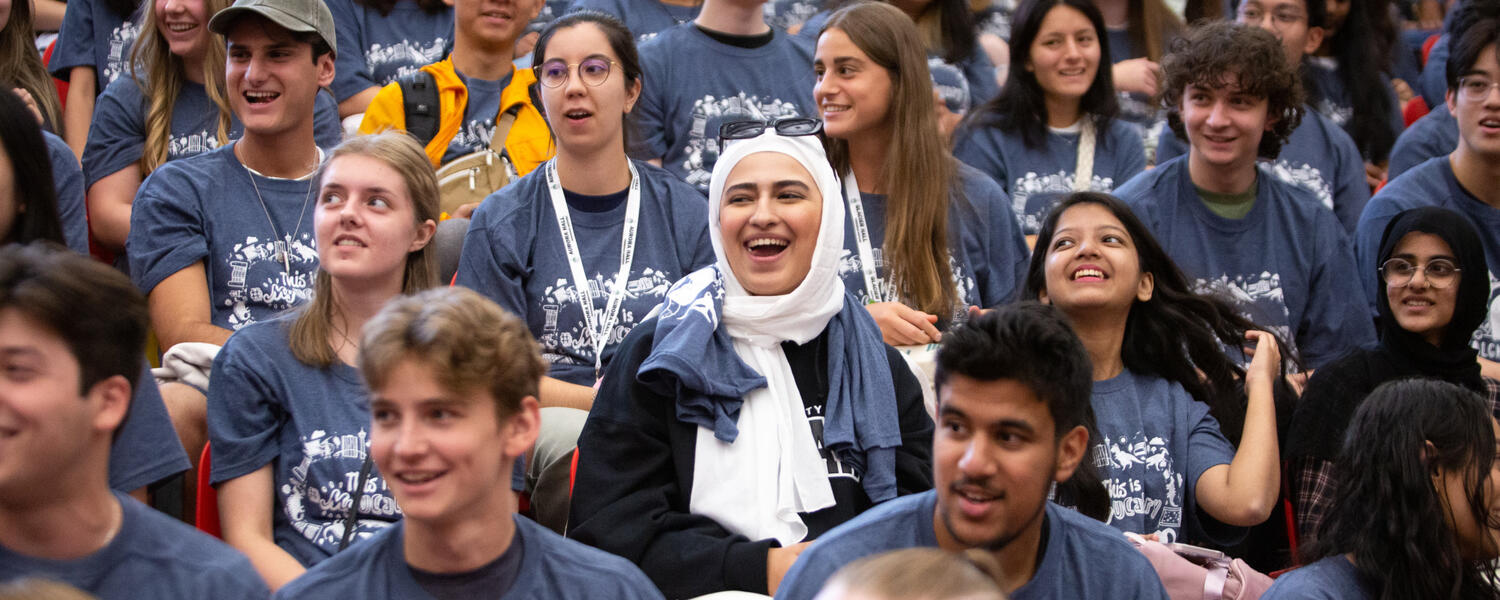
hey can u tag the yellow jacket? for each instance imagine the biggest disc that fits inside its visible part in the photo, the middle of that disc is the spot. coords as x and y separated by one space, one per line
529 143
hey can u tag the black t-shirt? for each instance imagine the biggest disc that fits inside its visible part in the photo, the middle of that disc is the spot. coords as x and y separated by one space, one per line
809 369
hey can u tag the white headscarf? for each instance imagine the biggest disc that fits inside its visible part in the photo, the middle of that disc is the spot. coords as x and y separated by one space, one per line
757 485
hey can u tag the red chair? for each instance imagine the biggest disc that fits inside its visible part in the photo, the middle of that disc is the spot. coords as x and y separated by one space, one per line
207 514
1427 46
1415 109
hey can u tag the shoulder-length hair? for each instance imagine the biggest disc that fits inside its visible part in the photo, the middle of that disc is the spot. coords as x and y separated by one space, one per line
1153 26
1021 106
1363 52
1391 517
310 330
919 170
1178 335
161 75
21 66
31 171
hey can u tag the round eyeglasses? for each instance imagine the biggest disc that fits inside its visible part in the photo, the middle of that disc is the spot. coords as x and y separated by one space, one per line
1439 273
1475 88
593 71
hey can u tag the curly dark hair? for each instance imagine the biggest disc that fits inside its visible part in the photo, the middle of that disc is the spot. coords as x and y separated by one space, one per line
1213 53
1391 517
1178 335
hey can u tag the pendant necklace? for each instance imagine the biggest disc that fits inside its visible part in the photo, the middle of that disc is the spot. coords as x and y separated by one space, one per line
278 242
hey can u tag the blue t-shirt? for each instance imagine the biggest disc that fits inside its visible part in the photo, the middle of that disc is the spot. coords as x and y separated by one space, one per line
1135 108
117 138
1084 559
151 556
210 208
786 14
1433 184
1434 78
1288 263
513 254
1156 442
1331 578
375 50
92 35
551 567
1433 135
1036 178
145 449
1333 100
963 85
644 18
1318 156
67 179
987 252
696 83
480 111
310 424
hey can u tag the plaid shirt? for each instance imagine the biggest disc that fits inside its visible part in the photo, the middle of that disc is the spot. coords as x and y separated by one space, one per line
1312 486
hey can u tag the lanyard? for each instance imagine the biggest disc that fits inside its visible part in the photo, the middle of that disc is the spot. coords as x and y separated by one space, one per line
875 289
598 332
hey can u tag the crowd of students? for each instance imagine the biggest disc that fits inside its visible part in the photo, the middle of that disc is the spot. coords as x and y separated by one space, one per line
808 300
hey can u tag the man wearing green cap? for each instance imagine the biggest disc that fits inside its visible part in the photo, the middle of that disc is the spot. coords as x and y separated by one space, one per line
224 239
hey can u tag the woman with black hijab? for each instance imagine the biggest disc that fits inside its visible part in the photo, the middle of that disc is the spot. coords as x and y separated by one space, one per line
1435 294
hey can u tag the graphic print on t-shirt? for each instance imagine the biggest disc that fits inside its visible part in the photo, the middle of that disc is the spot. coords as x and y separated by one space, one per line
411 55
1132 460
562 297
950 83
1259 297
191 144
320 490
1487 337
1305 176
120 41
852 272
836 468
702 149
258 275
1031 212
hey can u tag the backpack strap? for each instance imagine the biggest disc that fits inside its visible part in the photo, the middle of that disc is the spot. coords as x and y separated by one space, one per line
419 101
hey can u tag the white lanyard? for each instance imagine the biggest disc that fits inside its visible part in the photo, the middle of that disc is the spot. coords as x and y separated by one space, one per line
875 289
598 332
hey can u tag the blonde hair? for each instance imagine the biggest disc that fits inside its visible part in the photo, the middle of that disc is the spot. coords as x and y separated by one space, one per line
309 335
37 588
165 74
919 170
466 342
22 67
923 573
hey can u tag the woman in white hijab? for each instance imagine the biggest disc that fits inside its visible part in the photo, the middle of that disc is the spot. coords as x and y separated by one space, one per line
760 408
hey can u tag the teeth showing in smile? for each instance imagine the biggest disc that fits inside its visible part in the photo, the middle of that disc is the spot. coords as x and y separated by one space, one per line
259 97
349 243
1071 73
1081 273
834 108
181 27
1489 122
976 496
417 478
1417 302
579 114
766 242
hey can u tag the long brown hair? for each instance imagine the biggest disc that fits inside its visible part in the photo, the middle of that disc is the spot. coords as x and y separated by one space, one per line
22 67
163 79
919 170
310 331
1153 26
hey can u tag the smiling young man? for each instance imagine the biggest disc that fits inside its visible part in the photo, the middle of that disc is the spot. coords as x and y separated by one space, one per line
1466 181
1318 155
476 84
1268 244
71 333
1013 397
453 382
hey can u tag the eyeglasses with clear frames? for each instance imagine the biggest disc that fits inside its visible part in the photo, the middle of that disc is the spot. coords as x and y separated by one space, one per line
1475 88
1439 273
593 71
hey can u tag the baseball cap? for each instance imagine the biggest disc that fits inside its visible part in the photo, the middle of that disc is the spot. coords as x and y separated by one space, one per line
293 15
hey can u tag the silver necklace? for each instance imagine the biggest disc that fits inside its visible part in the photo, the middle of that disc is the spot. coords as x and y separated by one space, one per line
278 242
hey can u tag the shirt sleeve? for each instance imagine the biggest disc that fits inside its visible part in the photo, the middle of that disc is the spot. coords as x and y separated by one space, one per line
1335 319
1351 192
67 179
166 229
650 134
628 499
328 129
351 76
1007 256
1312 493
488 263
978 150
75 40
117 136
245 410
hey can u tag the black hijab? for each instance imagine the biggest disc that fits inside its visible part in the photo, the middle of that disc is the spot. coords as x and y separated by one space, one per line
1335 392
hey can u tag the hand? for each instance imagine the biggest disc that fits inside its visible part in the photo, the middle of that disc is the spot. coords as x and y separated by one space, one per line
1265 361
1404 92
902 325
975 312
31 105
1137 75
1374 174
464 211
779 561
947 120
